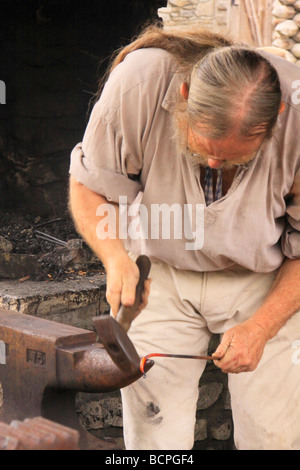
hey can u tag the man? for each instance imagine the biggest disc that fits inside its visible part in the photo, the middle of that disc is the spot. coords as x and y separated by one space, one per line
186 121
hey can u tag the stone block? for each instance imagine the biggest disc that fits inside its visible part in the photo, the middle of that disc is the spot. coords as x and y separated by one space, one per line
221 430
283 11
14 266
288 28
288 2
179 3
221 19
99 411
295 50
297 37
5 245
200 430
186 14
222 5
297 19
205 8
290 57
208 395
73 302
165 14
283 43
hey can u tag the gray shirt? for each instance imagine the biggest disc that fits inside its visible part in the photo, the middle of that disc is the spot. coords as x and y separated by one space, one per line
129 150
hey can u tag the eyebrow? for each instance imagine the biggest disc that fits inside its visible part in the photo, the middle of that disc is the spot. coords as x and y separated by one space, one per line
234 156
224 160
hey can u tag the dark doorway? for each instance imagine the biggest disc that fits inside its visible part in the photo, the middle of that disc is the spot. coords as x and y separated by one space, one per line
53 53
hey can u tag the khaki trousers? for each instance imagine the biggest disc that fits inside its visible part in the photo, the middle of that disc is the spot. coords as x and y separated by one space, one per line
184 309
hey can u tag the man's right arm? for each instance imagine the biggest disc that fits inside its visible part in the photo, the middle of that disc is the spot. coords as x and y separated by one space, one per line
122 272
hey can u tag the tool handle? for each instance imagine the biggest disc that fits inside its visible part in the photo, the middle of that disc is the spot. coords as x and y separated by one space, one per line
125 314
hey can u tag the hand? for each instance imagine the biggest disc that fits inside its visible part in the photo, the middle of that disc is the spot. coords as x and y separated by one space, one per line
241 348
122 278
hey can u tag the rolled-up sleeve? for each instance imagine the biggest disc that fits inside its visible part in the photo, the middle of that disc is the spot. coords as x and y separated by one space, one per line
291 236
108 183
110 157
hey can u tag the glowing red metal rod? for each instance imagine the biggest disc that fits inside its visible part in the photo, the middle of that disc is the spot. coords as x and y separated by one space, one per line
180 356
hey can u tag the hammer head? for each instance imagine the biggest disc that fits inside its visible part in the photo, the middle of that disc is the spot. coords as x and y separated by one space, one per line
117 343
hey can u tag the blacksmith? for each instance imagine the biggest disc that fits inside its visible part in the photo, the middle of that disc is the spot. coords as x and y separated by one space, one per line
190 118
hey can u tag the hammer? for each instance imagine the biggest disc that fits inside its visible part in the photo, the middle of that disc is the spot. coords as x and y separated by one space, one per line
113 332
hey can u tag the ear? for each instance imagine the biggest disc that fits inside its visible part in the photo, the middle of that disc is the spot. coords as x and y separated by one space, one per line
282 107
184 90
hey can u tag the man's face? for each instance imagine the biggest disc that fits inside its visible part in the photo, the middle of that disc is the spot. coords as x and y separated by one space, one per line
224 153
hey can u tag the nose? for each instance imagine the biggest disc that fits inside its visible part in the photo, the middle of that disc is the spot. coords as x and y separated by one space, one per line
215 164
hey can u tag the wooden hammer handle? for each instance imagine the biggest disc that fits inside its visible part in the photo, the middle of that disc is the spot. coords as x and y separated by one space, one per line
125 314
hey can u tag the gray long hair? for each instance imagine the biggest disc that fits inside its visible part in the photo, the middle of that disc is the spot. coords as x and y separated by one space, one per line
233 90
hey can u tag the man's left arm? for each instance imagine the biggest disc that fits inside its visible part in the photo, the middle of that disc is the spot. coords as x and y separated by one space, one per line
242 346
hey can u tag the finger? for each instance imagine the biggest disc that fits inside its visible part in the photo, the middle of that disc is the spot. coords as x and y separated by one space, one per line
128 290
231 370
145 295
222 348
113 297
237 371
229 362
119 292
146 292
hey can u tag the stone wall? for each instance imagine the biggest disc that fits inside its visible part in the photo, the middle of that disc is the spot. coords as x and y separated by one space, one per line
286 22
211 14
